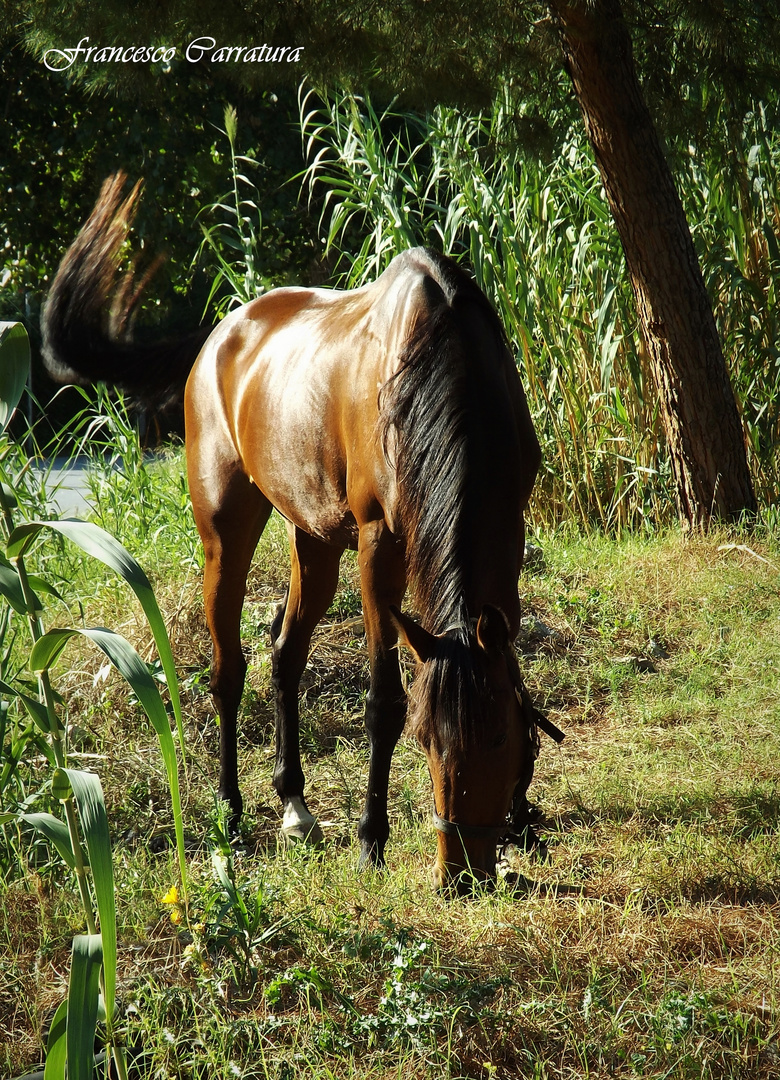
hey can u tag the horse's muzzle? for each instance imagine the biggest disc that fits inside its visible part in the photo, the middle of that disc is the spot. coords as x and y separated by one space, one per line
463 882
464 871
466 860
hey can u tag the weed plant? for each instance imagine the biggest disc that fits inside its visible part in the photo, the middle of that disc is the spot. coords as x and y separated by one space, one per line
232 238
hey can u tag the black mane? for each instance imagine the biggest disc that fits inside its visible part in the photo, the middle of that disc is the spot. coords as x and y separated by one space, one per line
436 406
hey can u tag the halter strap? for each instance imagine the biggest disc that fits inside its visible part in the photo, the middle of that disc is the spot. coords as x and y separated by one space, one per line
466 832
543 723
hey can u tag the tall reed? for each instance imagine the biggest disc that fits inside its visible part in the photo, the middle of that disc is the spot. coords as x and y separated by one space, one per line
733 204
541 243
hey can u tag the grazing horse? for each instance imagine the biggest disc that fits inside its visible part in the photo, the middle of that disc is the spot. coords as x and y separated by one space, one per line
389 419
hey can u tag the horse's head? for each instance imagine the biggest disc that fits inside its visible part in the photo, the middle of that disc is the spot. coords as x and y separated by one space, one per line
475 722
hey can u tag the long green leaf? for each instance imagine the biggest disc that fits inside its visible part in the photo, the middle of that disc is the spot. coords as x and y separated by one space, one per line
83 993
11 588
130 665
101 545
56 831
14 368
88 793
9 497
127 661
47 648
56 1044
35 708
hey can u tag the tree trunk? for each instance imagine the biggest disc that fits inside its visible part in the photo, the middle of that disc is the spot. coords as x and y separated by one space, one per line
700 417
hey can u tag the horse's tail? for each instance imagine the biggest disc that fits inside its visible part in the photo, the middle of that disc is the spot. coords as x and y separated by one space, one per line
88 315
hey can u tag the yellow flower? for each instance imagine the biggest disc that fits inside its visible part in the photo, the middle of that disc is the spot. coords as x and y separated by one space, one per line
177 908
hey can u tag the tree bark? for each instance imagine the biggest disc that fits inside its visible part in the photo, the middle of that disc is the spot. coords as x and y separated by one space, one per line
701 422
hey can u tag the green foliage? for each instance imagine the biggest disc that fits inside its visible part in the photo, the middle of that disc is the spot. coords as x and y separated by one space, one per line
541 243
689 52
733 204
62 142
79 793
62 139
123 482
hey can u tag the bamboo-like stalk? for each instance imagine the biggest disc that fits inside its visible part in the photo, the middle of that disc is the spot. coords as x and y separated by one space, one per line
540 241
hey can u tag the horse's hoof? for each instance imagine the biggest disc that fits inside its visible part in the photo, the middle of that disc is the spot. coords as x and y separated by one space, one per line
299 826
370 859
299 834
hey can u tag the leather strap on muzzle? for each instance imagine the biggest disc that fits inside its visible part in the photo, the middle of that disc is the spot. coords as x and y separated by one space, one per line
467 832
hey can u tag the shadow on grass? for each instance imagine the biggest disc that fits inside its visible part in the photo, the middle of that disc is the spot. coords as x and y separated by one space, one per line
747 812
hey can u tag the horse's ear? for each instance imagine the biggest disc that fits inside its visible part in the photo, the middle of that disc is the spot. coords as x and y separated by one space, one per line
415 637
492 630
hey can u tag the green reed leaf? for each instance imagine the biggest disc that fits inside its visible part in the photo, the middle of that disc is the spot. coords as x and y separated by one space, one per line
83 992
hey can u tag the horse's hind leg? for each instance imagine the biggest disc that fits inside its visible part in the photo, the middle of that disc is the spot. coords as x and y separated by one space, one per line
313 578
230 525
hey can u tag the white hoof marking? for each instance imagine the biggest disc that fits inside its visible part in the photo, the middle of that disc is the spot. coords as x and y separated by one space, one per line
298 825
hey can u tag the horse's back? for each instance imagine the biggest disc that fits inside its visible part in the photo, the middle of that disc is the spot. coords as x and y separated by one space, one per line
288 386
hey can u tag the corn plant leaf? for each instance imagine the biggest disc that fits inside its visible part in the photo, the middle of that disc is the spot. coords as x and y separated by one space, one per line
83 992
56 831
11 588
41 585
130 665
36 710
88 793
102 546
14 367
56 1044
47 648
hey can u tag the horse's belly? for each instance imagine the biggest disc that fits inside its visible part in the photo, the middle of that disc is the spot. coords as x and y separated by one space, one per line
308 496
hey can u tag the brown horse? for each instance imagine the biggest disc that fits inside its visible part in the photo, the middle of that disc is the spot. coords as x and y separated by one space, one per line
389 419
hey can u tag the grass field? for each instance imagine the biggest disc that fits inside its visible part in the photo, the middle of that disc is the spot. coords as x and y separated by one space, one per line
648 945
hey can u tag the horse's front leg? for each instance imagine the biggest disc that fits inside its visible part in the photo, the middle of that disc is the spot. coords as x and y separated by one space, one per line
382 576
313 579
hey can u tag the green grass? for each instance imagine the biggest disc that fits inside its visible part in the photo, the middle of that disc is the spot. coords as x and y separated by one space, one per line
646 947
